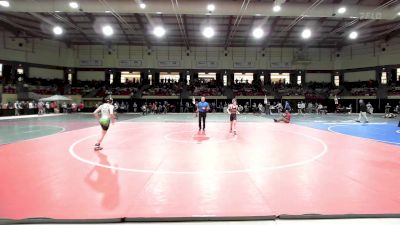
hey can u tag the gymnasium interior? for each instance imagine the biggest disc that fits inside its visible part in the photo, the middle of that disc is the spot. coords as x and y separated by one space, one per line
314 87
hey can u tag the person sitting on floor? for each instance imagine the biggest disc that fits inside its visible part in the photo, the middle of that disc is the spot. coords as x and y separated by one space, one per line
389 115
285 117
370 109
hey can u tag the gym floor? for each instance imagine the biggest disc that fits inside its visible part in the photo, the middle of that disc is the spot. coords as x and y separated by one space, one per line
158 167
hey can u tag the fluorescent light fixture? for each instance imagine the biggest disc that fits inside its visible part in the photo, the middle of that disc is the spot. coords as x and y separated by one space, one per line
73 5
107 30
258 33
210 7
142 5
341 10
159 31
5 4
306 33
57 30
208 32
276 8
353 35
159 13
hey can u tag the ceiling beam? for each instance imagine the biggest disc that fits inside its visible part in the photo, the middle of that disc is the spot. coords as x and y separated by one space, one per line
6 23
228 32
143 29
70 20
391 35
123 31
387 36
250 26
272 31
288 33
9 28
20 17
185 26
339 24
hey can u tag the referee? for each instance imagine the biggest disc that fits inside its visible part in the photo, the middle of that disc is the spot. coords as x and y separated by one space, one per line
202 107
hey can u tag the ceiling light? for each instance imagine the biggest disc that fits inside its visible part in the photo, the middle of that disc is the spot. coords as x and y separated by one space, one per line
57 30
258 33
108 11
73 5
208 32
107 30
306 34
210 7
398 13
341 10
57 11
353 35
159 31
276 8
142 5
5 4
158 13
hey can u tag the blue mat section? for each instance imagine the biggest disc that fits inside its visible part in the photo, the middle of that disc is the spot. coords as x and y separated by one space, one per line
387 132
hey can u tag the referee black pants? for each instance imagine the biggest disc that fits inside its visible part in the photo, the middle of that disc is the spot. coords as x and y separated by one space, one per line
202 116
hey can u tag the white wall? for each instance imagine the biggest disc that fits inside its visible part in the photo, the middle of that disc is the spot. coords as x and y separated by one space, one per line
91 75
46 73
360 76
320 58
369 55
318 77
52 52
48 52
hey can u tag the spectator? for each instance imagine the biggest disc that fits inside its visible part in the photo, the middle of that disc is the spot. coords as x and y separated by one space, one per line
287 106
17 108
134 107
81 107
387 108
370 109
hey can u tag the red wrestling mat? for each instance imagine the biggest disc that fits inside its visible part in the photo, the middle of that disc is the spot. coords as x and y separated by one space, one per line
164 170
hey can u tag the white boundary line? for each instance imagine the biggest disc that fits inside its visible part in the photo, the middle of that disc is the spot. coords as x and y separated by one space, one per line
343 125
29 139
168 172
122 122
28 116
353 123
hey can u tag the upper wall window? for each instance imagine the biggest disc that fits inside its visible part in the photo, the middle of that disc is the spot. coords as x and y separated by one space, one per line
337 80
384 78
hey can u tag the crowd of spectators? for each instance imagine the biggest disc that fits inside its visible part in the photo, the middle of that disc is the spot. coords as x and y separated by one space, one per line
284 89
254 88
203 88
164 89
30 107
394 89
362 88
9 89
316 91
